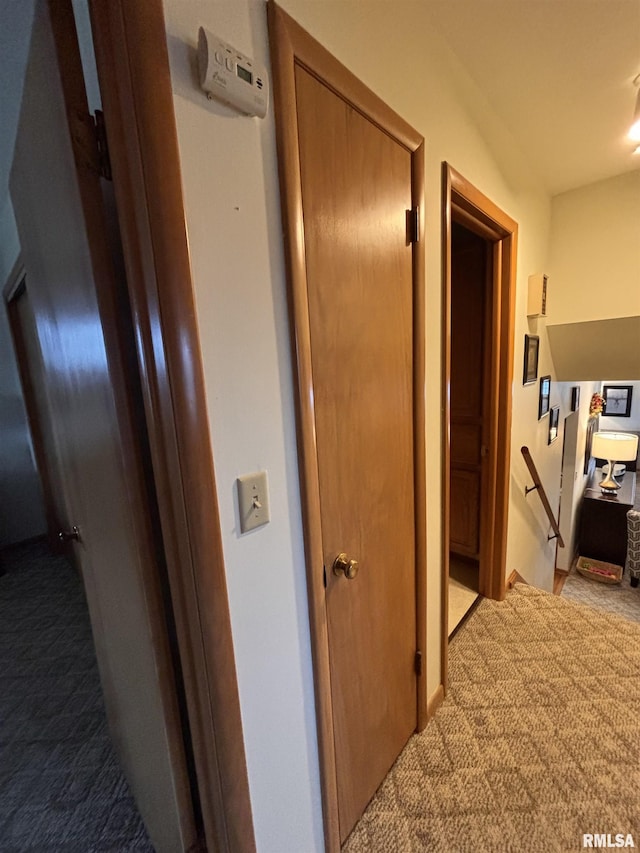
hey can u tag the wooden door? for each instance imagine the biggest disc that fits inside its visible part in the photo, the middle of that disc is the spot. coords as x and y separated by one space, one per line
356 190
467 400
75 296
35 392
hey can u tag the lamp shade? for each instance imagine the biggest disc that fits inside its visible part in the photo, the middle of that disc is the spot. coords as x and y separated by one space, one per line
615 446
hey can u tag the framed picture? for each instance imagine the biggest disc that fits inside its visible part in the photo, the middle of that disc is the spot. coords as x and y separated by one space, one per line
617 400
531 349
553 424
543 399
575 398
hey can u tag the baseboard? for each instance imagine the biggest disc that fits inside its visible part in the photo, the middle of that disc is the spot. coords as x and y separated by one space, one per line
572 562
559 578
434 702
514 578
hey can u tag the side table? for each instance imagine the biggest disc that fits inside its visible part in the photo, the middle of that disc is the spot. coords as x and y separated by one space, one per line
603 523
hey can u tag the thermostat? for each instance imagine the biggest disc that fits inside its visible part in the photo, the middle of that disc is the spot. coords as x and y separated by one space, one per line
231 77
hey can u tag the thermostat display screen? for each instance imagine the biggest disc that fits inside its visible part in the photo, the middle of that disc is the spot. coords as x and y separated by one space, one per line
244 74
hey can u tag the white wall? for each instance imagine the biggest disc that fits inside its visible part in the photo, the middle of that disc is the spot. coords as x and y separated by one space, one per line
594 260
594 274
233 217
574 478
21 504
234 226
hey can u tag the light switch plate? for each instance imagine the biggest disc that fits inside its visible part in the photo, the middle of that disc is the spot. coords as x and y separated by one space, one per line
253 500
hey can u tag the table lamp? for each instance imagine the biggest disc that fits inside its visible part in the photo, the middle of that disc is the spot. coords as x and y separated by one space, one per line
614 447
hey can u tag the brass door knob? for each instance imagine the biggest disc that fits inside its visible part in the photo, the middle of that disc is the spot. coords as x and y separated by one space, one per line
342 565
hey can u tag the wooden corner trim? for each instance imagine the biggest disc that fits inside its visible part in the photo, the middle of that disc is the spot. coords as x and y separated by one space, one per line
133 67
13 280
478 204
435 700
512 580
445 473
306 51
420 422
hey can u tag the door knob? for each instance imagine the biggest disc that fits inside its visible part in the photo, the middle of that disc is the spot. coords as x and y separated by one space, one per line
342 565
68 535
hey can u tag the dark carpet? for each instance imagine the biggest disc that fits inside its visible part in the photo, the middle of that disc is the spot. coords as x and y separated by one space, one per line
61 788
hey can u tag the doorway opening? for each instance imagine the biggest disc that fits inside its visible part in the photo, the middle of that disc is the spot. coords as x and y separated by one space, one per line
470 335
479 272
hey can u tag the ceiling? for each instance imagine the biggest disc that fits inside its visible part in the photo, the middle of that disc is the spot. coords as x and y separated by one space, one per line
557 74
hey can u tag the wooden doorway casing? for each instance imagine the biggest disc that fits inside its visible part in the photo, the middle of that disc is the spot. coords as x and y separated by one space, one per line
465 204
133 70
14 290
293 47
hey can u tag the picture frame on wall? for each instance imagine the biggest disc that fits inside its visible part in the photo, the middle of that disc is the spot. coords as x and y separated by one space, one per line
554 419
544 395
617 400
575 398
531 351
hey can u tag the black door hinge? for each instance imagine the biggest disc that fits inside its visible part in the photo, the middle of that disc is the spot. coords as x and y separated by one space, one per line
102 146
413 225
418 663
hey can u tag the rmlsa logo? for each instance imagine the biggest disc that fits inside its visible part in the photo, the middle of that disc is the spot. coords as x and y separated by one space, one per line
606 840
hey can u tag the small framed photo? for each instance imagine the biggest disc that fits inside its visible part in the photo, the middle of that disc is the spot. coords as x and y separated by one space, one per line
553 424
531 349
543 399
617 400
575 398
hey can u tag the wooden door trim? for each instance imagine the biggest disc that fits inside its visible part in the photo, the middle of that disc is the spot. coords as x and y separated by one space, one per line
291 45
420 427
135 83
11 292
14 280
464 203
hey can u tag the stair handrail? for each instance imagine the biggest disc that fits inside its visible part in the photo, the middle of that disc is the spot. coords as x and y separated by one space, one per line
537 486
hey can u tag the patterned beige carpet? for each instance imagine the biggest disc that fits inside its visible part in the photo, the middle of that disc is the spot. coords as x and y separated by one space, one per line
619 598
537 742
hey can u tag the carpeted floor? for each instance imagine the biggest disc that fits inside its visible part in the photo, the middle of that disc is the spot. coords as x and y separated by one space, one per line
621 599
536 743
60 785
